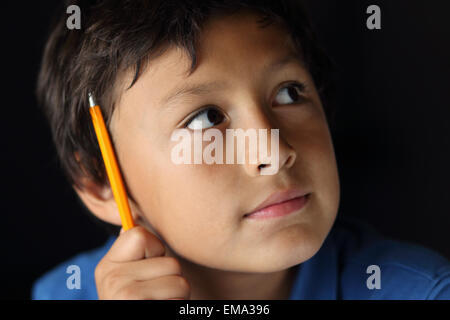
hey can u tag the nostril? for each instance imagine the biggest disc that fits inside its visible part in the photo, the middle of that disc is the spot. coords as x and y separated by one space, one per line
262 166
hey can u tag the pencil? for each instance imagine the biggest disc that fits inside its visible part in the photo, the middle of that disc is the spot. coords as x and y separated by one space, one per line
112 169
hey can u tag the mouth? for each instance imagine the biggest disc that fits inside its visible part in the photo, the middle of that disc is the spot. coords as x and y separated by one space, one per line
279 204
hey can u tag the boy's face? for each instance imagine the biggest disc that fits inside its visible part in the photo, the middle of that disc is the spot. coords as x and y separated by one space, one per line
198 209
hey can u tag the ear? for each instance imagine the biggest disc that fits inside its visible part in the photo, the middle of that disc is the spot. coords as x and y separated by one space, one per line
99 200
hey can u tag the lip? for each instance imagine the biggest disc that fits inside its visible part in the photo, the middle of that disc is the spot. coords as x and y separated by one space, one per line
280 203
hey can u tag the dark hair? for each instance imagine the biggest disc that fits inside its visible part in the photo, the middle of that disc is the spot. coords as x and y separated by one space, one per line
119 35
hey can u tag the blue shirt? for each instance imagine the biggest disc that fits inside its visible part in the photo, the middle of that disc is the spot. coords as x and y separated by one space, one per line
354 262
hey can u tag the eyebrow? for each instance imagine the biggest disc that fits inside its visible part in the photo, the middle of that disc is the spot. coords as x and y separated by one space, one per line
205 88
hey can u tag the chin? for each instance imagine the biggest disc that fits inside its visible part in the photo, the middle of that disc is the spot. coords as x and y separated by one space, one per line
295 256
293 248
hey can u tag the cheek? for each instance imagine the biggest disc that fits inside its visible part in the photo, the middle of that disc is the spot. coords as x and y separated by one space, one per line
202 190
193 202
318 159
199 215
198 192
185 198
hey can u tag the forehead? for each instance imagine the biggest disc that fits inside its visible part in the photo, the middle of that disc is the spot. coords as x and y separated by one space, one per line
229 48
243 33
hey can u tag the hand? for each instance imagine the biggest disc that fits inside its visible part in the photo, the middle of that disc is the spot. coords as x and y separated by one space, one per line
135 268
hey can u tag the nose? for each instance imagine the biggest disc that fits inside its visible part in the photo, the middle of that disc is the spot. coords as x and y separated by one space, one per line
278 154
285 159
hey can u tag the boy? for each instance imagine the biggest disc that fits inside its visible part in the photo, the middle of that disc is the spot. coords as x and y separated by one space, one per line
212 231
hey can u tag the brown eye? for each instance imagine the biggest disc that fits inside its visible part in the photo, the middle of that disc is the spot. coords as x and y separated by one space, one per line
204 119
290 94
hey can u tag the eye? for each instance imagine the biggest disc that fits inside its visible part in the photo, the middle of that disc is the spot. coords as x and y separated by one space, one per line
290 94
204 119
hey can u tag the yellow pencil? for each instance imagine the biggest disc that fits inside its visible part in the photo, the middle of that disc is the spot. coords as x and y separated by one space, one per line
112 169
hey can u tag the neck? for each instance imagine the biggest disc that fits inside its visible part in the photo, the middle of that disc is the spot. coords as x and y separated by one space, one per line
208 283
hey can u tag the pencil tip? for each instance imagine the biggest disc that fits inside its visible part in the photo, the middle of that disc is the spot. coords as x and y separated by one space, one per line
91 100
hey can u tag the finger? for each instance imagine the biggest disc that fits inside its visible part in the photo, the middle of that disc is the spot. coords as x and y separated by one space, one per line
135 244
148 269
163 288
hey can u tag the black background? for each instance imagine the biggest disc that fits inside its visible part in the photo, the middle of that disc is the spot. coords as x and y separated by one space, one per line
391 135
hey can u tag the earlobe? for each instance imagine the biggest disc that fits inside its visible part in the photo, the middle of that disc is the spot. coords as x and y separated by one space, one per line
99 200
